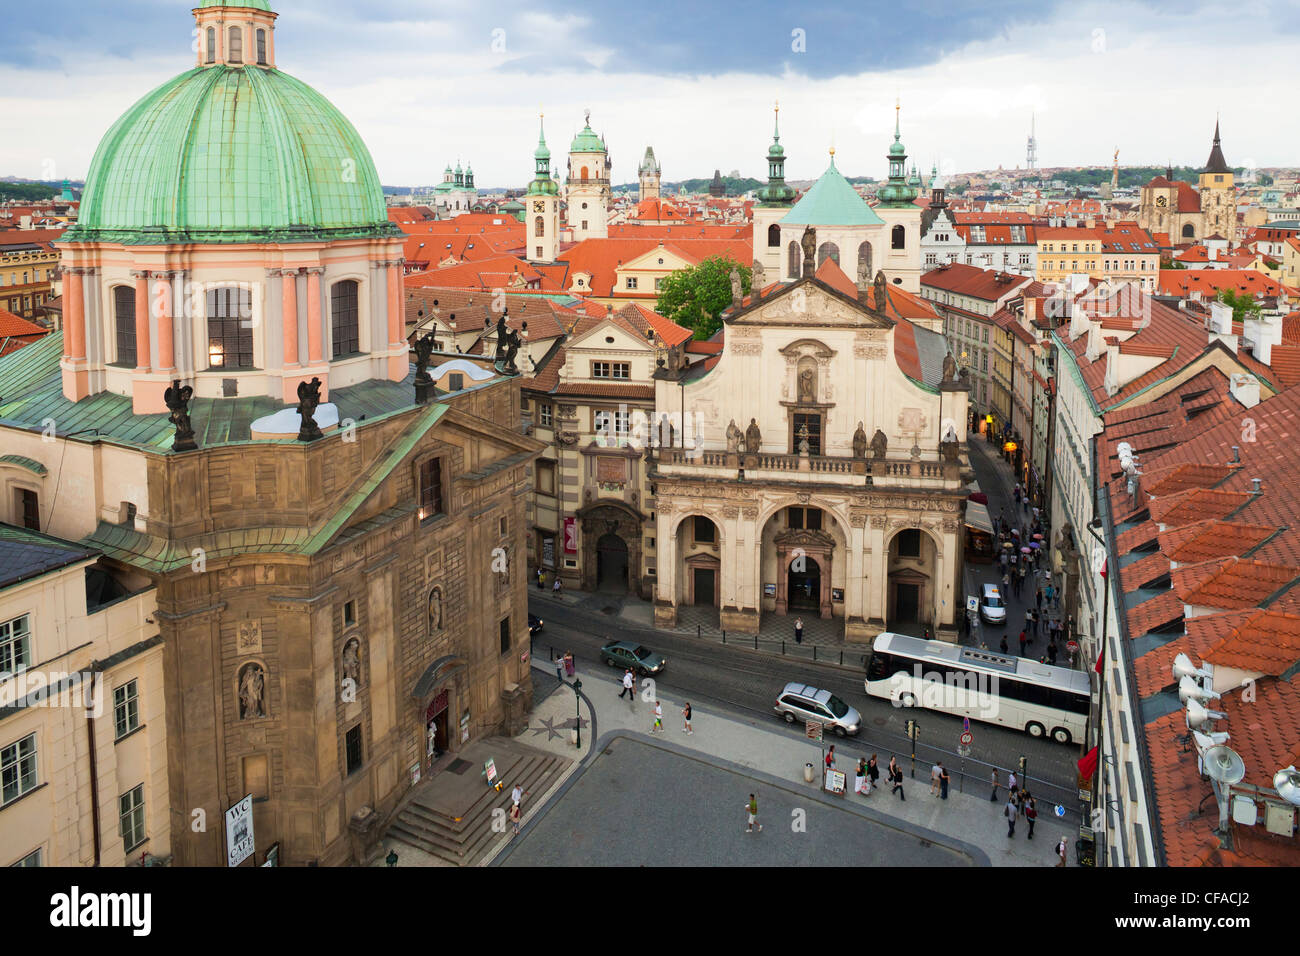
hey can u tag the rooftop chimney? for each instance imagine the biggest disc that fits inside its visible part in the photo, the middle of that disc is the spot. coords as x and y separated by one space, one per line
1236 455
1256 483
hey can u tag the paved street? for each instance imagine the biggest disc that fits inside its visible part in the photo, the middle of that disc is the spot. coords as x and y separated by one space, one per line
744 682
649 803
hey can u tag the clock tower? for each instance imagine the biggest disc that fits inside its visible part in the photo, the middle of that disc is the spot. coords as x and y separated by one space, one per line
542 205
1218 194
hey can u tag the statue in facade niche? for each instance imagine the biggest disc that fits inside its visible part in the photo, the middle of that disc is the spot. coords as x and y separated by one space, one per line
753 438
807 385
252 687
352 662
860 442
879 445
734 437
435 610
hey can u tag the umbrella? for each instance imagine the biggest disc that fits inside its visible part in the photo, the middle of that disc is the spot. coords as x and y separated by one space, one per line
1026 550
979 497
1008 544
1038 537
1035 545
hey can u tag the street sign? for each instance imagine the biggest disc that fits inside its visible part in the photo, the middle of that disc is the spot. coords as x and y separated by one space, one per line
835 782
965 724
967 739
963 751
972 604
813 729
239 831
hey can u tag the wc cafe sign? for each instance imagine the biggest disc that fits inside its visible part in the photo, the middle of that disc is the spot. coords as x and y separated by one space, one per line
239 832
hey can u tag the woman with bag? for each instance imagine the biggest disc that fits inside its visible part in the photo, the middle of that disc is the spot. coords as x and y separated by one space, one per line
860 784
873 774
1031 813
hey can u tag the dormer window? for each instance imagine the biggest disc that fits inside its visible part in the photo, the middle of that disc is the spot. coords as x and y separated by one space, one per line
235 45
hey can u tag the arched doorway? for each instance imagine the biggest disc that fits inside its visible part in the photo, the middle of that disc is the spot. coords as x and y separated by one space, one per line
611 563
699 547
803 584
912 582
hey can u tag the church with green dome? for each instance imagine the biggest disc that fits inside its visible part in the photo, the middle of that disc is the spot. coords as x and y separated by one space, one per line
233 234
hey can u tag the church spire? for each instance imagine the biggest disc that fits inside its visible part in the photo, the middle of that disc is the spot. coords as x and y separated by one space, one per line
776 192
1216 163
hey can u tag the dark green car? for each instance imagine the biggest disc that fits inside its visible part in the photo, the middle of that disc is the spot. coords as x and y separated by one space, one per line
627 654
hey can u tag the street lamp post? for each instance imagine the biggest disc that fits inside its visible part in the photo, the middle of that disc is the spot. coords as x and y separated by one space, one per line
577 709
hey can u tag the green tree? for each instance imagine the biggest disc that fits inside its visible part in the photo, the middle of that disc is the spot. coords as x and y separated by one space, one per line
1243 304
695 298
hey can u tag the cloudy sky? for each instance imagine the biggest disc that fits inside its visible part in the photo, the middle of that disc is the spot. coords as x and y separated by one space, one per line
427 82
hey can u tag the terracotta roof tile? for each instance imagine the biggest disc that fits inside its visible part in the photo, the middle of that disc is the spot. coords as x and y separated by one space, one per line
1209 282
1144 571
961 279
1137 536
1194 505
1154 669
1231 583
1211 539
1262 641
1155 612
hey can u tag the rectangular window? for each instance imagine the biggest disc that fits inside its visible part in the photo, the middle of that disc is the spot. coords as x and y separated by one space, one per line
230 328
430 488
505 635
349 613
616 370
705 531
352 747
126 709
814 423
545 415
504 526
659 284
546 478
130 812
931 259
812 519
16 645
261 47
631 282
17 769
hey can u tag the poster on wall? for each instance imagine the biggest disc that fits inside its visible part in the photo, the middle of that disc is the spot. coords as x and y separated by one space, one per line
548 550
570 535
239 831
611 469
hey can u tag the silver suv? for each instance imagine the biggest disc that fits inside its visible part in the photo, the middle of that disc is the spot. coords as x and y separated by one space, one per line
804 702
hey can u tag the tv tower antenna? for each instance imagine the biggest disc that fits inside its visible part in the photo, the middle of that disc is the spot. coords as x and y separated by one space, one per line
1031 154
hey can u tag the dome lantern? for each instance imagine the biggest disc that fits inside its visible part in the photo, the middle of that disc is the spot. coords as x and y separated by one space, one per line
235 33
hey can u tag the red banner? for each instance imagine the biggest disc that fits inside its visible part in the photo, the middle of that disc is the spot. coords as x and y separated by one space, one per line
570 535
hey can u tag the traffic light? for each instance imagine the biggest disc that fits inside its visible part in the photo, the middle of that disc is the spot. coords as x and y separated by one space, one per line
1022 765
911 729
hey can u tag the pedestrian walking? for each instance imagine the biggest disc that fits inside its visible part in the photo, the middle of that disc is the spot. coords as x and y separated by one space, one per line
860 784
559 668
1060 852
751 809
1011 811
686 719
873 774
658 725
1038 599
1023 640
943 782
798 630
830 758
1051 654
1003 645
896 778
1011 783
515 814
993 779
1029 621
555 588
517 795
541 579
1031 814
935 773
1006 583
1049 593
629 686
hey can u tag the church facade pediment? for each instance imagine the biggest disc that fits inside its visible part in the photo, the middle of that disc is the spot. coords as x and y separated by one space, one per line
809 302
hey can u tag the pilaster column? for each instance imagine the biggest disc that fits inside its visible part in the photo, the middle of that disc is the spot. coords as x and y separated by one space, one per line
314 336
289 320
162 311
143 357
396 340
74 337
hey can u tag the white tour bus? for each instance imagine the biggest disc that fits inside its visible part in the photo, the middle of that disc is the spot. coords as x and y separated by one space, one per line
981 685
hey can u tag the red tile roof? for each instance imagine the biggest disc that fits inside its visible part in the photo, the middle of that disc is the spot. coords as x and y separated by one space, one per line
1211 539
1262 641
1194 505
987 285
1209 282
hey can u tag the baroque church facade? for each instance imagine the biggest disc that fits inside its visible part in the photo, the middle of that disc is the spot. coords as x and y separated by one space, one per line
821 469
1193 214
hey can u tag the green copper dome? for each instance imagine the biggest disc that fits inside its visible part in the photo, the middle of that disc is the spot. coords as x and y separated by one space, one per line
247 4
831 201
587 141
231 154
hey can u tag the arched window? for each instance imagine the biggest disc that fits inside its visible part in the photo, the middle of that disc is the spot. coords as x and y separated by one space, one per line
212 44
583 174
1189 232
828 250
235 45
864 258
124 324
261 47
898 238
539 227
793 258
344 322
230 328
773 236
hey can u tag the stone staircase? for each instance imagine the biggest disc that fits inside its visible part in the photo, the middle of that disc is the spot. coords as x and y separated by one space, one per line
450 816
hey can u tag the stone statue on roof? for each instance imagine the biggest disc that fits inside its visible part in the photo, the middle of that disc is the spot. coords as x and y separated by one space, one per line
882 292
860 442
734 437
949 368
737 290
757 277
308 400
177 399
864 275
808 241
753 438
424 346
879 445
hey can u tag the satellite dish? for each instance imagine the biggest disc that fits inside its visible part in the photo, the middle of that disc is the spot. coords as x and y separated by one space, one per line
1198 716
1287 783
1223 764
1189 689
1183 667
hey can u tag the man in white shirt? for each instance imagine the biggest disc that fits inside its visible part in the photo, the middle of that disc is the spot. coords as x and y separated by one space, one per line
517 794
935 773
629 686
